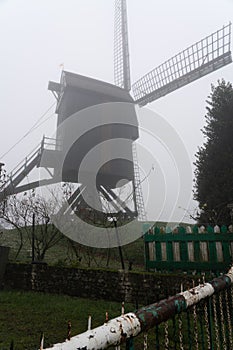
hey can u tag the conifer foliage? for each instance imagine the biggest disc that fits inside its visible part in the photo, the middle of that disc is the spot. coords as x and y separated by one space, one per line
214 160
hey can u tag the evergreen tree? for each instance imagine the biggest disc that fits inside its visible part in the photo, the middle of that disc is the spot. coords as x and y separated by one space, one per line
214 160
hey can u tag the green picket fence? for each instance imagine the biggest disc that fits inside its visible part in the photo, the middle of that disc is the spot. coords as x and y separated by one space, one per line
198 249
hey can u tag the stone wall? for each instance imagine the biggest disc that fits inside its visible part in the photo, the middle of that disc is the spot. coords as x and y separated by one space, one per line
143 288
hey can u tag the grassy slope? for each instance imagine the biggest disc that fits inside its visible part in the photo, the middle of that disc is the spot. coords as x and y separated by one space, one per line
62 254
23 316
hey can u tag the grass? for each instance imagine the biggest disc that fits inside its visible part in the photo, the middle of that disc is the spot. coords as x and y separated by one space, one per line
24 315
62 253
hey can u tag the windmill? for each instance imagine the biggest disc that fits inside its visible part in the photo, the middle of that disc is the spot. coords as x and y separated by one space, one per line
76 94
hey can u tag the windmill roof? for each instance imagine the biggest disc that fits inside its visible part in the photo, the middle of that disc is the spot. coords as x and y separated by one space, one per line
82 82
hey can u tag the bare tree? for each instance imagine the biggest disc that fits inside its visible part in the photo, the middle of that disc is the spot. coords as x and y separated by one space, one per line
7 215
30 214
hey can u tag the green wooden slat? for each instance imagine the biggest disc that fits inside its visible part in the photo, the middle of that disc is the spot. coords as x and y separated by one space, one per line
196 246
184 251
181 230
210 229
226 252
223 229
195 229
146 247
169 251
147 255
213 252
158 251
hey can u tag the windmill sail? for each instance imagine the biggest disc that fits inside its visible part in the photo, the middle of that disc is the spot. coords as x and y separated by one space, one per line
121 47
204 57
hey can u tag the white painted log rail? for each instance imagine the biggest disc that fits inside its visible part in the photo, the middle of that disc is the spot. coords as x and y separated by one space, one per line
116 331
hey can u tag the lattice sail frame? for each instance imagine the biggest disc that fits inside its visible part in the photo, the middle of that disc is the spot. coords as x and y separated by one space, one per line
121 47
198 60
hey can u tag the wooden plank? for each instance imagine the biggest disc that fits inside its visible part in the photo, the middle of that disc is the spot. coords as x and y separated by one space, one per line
196 251
170 257
226 252
184 251
158 251
212 252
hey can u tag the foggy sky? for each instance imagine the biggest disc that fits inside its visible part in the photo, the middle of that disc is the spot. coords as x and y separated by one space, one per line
37 36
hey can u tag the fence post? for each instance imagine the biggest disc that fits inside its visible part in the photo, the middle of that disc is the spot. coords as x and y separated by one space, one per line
129 344
146 228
